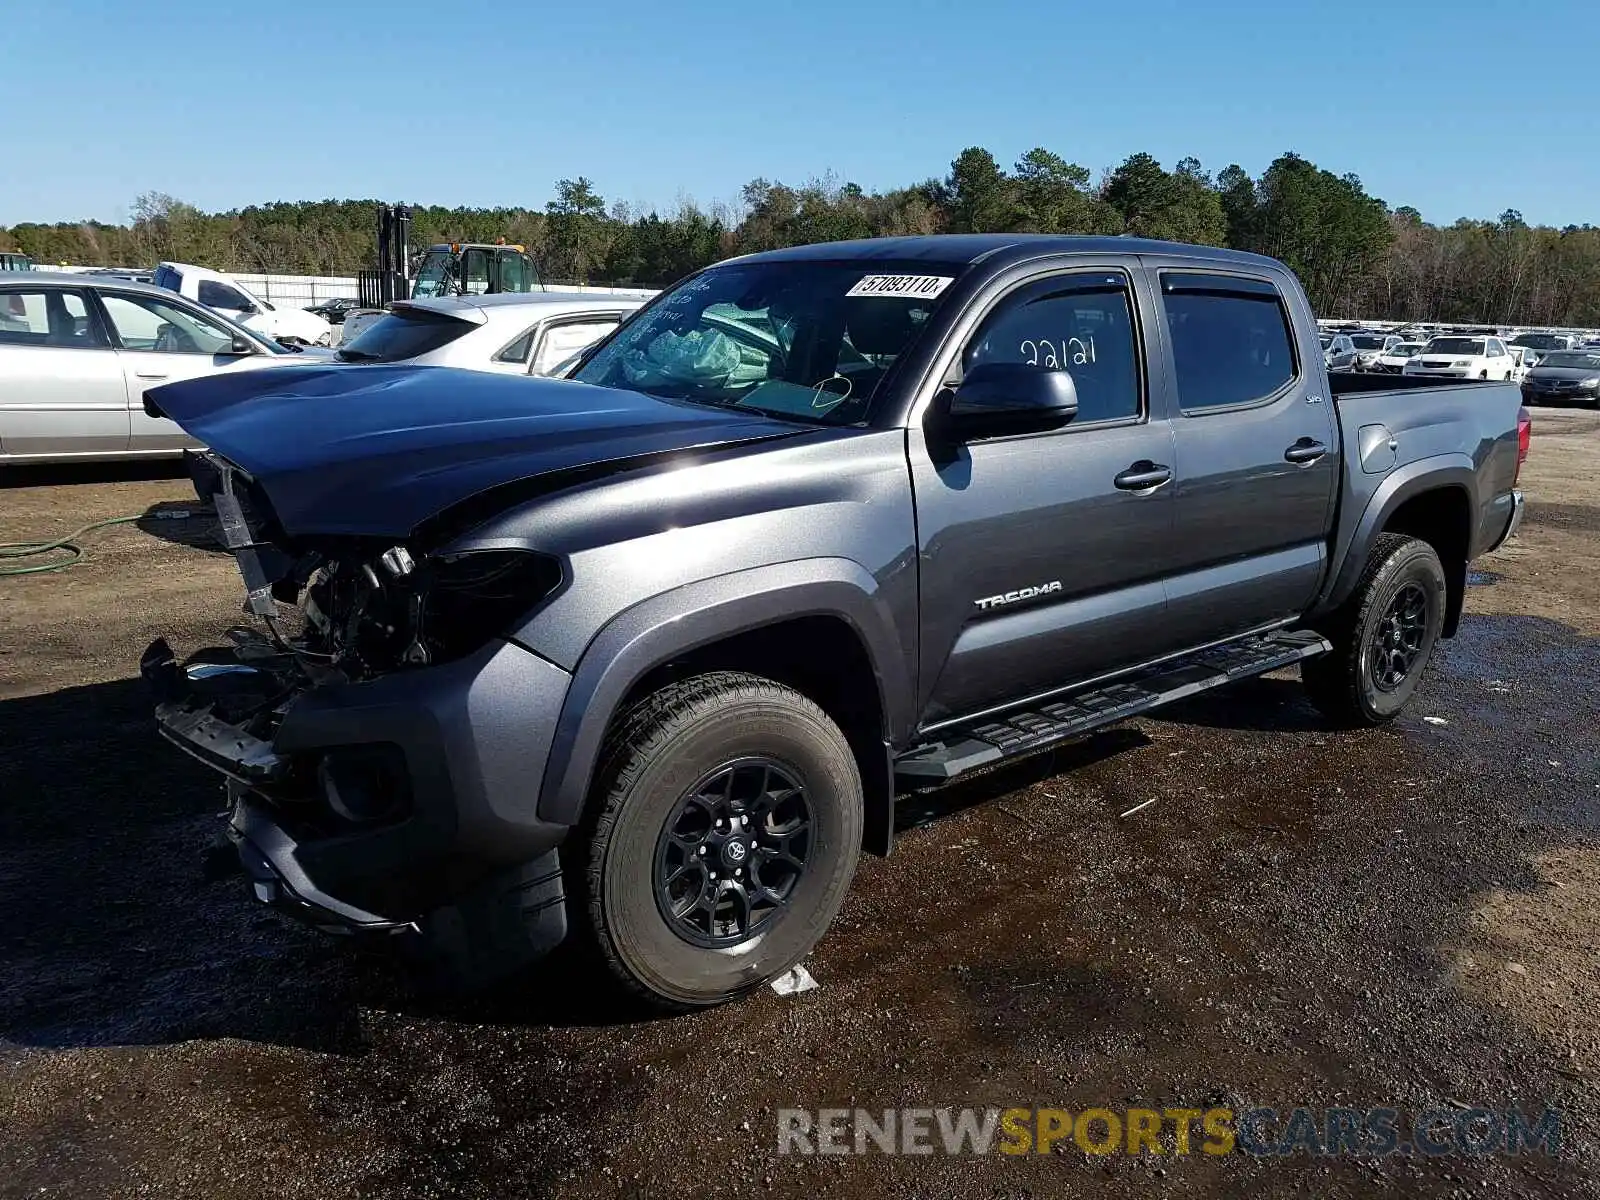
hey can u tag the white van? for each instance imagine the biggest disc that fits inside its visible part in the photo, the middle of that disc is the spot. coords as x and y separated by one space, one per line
233 300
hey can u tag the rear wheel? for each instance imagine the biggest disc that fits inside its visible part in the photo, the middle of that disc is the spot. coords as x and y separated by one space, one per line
728 823
1383 637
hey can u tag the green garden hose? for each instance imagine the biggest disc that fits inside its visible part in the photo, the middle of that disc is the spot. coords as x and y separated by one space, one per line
68 546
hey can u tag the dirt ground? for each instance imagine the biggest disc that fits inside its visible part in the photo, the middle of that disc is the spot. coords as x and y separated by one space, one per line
1400 918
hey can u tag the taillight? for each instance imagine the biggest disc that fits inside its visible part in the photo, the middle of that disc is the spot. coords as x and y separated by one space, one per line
1524 437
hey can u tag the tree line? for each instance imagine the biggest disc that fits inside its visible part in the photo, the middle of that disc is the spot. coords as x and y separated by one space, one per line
1355 254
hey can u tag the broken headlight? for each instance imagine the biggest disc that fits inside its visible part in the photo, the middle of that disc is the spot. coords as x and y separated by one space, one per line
369 616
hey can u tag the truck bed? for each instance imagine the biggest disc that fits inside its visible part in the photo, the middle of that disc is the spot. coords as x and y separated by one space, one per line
1397 428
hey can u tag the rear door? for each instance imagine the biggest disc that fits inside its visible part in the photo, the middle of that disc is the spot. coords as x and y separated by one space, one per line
1038 568
61 387
1257 446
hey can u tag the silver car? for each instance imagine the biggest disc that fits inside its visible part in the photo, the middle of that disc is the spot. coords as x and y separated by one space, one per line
514 333
78 351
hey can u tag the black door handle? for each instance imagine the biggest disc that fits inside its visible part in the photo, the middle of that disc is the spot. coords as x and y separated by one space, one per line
1306 450
1143 474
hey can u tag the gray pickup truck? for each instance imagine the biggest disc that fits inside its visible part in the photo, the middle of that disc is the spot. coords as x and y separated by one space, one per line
645 658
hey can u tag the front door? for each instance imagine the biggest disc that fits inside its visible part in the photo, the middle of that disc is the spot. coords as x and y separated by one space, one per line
1041 562
161 342
1258 455
61 388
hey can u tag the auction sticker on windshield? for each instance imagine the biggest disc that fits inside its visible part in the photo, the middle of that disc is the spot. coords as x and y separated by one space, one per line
921 287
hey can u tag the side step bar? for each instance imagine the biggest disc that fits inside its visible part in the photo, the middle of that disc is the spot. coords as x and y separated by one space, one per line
1028 731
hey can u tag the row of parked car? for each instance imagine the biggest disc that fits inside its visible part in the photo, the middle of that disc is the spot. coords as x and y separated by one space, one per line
78 351
1549 367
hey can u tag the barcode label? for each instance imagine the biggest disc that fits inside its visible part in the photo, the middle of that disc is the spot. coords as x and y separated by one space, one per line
916 287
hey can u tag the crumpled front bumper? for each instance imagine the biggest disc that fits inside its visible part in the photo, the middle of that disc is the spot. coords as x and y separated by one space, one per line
460 864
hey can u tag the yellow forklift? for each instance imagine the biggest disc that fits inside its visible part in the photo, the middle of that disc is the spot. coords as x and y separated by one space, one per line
445 269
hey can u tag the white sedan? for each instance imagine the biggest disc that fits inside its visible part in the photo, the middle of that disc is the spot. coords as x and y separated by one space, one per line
77 353
1393 360
513 333
1463 358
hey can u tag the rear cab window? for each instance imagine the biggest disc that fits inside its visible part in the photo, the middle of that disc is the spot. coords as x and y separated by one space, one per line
404 333
1232 343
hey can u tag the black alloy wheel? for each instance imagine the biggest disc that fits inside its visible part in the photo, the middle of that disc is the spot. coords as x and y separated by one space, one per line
732 852
1401 632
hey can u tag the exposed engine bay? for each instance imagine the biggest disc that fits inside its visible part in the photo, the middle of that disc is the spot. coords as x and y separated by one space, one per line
344 610
340 611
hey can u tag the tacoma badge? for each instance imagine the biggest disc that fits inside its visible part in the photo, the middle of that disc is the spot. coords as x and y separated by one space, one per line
1027 593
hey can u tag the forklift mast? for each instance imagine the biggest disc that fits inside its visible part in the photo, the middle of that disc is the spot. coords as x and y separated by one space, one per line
392 279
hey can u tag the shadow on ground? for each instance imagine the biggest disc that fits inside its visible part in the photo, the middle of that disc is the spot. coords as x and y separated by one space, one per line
184 523
30 475
116 933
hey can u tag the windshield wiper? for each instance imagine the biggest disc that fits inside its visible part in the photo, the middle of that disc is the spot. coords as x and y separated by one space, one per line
355 356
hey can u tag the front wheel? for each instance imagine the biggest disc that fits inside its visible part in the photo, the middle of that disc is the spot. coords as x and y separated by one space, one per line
1383 636
728 821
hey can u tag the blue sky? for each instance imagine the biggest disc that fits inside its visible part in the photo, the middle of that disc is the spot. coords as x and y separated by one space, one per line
1460 109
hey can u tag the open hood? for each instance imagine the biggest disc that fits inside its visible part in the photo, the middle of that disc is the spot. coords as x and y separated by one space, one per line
377 450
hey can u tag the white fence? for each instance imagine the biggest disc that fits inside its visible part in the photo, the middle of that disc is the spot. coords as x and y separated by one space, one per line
302 291
299 291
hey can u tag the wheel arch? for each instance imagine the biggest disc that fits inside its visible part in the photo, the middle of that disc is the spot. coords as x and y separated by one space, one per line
766 620
1434 500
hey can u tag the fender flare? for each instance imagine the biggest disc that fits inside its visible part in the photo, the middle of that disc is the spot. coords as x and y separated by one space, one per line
663 627
1425 475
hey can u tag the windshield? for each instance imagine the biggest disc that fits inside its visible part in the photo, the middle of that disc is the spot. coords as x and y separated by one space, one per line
1405 349
434 275
1455 345
813 341
1570 358
403 333
1367 341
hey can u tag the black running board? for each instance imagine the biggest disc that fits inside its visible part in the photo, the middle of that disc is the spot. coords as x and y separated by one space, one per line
1026 731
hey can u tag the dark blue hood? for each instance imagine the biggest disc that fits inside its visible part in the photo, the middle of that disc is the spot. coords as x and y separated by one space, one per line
377 450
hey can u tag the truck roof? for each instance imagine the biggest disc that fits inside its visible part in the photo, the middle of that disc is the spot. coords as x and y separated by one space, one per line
969 248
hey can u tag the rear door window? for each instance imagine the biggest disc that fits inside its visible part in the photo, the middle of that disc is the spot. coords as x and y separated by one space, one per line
563 341
403 333
1231 340
47 317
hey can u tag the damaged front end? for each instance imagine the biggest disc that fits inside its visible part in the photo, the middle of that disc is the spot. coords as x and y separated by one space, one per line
343 719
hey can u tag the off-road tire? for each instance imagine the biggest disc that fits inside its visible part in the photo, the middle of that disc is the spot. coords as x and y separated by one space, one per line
654 754
1342 683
